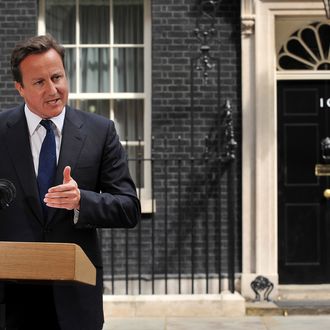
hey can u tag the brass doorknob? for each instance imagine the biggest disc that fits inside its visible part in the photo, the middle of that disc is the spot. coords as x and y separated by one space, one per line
326 193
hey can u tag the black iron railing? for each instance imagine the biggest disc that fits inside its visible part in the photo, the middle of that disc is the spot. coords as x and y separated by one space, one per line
188 237
186 243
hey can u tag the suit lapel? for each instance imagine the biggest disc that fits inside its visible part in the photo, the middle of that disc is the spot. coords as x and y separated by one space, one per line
72 142
19 149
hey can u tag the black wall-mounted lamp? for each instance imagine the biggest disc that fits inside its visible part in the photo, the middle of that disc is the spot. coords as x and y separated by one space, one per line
327 7
205 31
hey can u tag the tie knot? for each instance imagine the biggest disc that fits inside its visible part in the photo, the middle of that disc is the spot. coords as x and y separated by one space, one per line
47 124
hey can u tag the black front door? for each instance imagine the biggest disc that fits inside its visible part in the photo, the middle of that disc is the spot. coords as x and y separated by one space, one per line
303 211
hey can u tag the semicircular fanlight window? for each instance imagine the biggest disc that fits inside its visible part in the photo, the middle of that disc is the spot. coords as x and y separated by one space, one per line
306 49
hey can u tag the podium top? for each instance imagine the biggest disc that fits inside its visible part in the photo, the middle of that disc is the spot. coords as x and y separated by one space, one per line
45 261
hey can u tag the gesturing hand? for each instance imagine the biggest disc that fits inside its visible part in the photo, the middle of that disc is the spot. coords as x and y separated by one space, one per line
66 195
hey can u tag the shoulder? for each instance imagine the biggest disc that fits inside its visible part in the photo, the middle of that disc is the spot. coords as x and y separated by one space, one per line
12 112
12 116
87 117
90 123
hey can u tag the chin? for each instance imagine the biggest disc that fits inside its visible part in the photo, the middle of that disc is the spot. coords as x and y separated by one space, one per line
55 112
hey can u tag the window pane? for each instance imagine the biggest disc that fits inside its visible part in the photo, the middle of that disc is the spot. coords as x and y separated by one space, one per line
61 20
73 103
128 116
95 70
70 68
94 21
101 107
128 21
128 70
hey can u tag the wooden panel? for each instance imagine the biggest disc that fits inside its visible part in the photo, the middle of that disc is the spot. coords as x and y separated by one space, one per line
300 153
305 100
45 261
302 235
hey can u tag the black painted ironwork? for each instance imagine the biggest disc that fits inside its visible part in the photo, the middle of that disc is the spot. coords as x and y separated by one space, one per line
205 31
230 142
163 260
262 284
180 209
166 216
139 183
325 148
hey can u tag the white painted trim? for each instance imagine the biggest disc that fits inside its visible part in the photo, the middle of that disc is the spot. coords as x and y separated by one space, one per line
147 99
41 18
259 133
302 75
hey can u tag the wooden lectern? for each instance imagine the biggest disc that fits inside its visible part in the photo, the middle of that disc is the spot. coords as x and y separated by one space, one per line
34 261
45 262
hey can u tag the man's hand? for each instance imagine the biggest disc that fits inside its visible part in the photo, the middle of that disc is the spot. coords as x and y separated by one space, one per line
66 195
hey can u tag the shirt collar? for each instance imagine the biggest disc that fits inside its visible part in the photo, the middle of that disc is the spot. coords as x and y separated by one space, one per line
33 120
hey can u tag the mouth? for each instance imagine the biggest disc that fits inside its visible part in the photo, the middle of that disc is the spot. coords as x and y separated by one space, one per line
53 101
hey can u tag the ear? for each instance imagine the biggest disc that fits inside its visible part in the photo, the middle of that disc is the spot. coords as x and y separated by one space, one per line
19 88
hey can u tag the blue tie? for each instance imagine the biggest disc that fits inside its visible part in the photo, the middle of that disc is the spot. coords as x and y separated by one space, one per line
47 162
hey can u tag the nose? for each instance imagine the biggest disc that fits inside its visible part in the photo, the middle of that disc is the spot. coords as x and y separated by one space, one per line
51 88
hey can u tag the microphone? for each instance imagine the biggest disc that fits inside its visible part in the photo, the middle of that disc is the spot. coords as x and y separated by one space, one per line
7 193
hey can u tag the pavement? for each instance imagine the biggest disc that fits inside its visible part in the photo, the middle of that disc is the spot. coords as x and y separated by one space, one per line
298 308
304 314
290 322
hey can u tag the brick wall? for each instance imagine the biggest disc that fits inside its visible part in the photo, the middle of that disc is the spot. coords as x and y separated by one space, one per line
18 21
174 44
193 114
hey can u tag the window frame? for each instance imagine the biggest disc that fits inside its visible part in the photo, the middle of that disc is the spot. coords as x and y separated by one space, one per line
144 193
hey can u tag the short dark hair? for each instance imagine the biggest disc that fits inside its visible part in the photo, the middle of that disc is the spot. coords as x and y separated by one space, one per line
33 45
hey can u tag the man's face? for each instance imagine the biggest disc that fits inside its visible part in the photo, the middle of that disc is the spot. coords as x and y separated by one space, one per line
44 87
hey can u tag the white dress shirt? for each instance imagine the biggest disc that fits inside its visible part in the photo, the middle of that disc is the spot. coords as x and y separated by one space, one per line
38 132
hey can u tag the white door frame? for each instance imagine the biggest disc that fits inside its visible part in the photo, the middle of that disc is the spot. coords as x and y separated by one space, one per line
259 135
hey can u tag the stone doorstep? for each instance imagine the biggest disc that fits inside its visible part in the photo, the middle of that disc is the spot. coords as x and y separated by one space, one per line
224 304
289 307
317 292
294 300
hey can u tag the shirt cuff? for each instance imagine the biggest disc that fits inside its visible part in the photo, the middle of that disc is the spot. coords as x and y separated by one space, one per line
75 216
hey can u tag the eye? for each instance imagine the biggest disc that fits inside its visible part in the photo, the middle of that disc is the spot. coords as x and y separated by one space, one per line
38 82
57 77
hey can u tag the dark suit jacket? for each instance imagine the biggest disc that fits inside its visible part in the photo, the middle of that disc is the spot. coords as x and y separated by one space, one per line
91 147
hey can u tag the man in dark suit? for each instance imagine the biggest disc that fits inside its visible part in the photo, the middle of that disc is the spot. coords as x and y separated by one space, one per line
92 188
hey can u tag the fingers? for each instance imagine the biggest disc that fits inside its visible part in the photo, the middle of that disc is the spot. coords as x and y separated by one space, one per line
66 199
62 202
66 195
